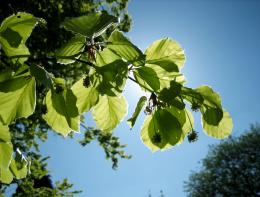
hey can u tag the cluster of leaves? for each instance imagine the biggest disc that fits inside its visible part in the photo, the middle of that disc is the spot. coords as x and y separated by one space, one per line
109 63
231 168
39 182
108 142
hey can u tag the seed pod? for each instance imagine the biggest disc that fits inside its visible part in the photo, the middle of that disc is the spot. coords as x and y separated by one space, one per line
86 81
156 139
58 88
193 136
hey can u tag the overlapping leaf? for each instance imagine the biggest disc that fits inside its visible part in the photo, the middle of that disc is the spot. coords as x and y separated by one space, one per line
71 50
109 112
139 106
92 25
62 114
166 53
155 78
14 32
87 97
166 128
17 97
6 148
122 46
41 75
110 79
220 131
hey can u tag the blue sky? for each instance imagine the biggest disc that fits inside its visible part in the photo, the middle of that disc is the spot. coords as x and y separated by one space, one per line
222 44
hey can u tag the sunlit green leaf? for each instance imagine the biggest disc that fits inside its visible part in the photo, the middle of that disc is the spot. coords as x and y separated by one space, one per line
14 32
211 108
71 50
62 113
109 111
163 128
87 97
222 130
137 111
4 133
6 176
167 95
110 79
92 25
6 150
18 168
122 46
155 78
105 57
211 98
151 136
166 53
17 97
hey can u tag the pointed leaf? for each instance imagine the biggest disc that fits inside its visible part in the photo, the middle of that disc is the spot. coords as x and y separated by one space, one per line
62 114
137 111
109 111
92 25
122 46
71 50
17 97
222 130
167 54
86 97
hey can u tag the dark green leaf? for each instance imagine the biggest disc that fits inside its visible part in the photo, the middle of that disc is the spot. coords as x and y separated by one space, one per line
41 75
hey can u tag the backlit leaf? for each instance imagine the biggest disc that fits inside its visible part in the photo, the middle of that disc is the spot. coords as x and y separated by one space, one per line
92 25
167 54
109 112
71 50
17 97
62 114
87 97
14 32
122 46
137 111
222 130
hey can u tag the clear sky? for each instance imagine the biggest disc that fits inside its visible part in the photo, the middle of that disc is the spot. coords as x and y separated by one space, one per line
222 44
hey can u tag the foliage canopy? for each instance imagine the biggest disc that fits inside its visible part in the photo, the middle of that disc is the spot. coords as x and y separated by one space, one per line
231 168
108 61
